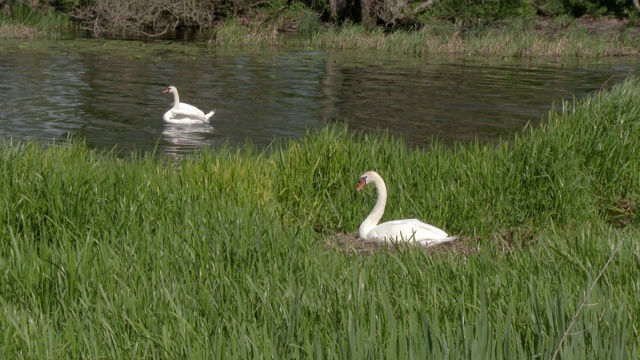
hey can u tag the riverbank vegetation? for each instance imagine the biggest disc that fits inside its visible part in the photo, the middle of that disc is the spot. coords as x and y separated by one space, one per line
243 253
583 28
25 22
518 39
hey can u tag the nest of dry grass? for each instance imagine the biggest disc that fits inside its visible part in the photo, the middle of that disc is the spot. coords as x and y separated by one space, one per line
351 244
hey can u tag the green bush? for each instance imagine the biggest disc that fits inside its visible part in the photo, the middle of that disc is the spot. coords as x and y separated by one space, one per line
305 15
477 11
578 8
65 6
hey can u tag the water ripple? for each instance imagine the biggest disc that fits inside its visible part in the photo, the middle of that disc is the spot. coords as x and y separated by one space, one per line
117 101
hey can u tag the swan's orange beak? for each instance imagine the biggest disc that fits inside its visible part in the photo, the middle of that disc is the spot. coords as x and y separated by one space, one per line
165 91
361 184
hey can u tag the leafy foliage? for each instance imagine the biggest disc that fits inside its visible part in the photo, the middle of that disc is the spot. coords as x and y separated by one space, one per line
578 8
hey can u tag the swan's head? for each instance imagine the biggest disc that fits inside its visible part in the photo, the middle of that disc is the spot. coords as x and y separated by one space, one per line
170 89
367 178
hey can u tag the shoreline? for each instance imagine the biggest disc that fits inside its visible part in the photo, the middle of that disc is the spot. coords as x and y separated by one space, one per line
541 37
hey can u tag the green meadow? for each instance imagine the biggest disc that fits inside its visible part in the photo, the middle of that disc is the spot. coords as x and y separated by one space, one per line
250 253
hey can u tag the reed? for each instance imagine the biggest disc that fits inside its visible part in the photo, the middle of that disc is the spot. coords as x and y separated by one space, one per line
517 40
233 33
224 254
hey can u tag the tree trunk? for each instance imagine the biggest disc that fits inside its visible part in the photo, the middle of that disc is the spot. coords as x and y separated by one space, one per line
367 14
338 8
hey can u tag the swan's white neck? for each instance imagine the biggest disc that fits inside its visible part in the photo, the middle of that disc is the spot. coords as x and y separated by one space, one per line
378 210
176 99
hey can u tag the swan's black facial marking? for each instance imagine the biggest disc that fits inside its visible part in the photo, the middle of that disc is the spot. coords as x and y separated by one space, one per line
363 179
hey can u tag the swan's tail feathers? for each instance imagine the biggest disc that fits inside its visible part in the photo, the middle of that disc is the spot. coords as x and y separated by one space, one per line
448 239
208 116
445 240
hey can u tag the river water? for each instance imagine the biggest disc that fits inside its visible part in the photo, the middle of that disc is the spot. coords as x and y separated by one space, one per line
110 93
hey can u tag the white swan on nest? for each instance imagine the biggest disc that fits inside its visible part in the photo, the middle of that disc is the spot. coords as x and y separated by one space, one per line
397 230
182 113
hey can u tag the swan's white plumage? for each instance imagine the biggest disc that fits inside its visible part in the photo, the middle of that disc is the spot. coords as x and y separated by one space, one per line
397 230
182 113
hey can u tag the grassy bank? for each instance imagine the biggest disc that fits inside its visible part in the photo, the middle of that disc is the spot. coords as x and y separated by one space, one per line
232 253
27 23
518 38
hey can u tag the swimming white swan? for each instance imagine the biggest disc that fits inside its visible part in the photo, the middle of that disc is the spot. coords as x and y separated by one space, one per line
182 113
398 230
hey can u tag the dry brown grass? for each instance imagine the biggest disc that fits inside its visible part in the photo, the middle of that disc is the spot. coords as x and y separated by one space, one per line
510 239
10 31
134 16
622 213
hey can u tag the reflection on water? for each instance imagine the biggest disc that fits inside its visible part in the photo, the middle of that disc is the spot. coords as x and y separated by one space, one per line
187 136
114 99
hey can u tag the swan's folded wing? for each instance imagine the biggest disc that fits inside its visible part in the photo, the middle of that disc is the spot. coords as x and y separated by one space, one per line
410 230
188 111
181 115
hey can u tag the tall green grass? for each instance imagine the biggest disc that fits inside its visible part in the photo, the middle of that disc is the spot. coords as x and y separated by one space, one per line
522 39
233 33
265 28
519 39
224 255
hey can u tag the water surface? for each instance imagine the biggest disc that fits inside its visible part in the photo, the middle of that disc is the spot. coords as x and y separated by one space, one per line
110 92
